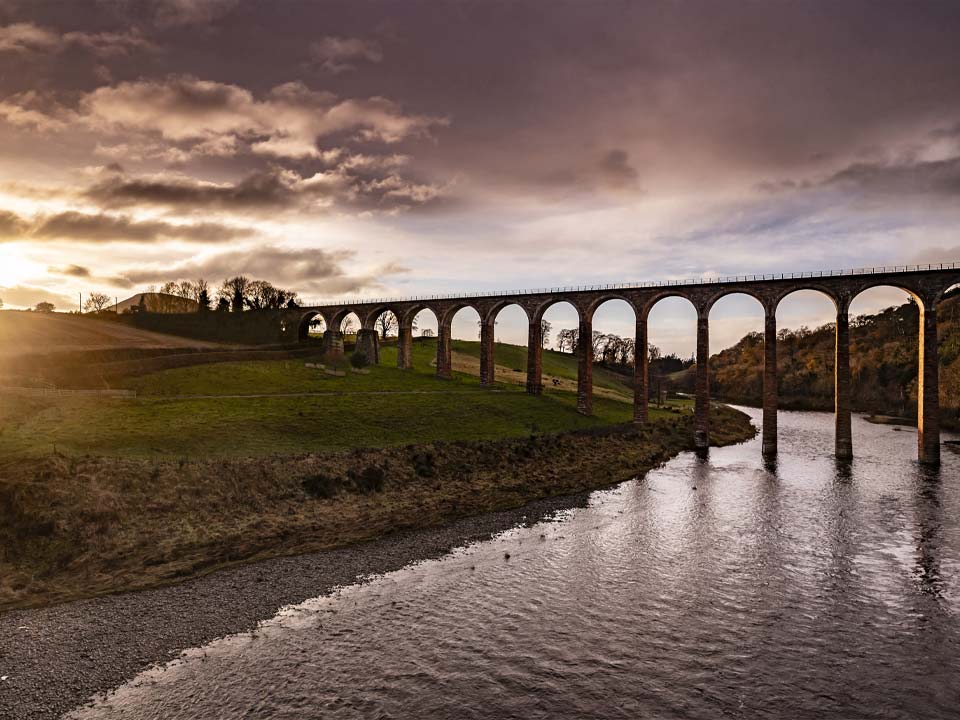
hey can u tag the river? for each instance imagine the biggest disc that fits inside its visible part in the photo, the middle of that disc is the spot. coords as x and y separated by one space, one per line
709 588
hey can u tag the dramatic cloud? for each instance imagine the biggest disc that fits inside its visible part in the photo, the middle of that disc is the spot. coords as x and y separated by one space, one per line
933 179
270 190
78 271
12 226
631 141
30 38
203 117
102 228
174 13
336 55
306 270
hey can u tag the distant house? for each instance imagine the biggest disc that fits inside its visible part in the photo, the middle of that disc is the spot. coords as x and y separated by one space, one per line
158 303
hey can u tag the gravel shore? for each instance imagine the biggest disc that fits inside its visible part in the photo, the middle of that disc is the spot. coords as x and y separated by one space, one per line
54 659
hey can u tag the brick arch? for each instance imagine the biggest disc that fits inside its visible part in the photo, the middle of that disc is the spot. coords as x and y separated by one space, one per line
541 308
368 321
449 313
304 320
916 293
490 316
650 302
714 298
942 293
815 287
595 304
406 319
337 318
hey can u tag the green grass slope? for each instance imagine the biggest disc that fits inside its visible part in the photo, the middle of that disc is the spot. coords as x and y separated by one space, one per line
385 407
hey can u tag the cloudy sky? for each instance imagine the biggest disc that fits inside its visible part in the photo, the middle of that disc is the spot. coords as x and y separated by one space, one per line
386 148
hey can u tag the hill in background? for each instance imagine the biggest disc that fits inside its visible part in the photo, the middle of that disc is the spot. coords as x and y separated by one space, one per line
883 364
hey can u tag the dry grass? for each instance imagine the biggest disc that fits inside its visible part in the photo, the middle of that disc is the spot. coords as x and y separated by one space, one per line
73 527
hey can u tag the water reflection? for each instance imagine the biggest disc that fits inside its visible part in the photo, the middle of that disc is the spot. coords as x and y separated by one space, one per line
717 586
929 512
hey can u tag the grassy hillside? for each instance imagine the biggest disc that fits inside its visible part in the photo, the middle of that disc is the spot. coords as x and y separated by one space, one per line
883 363
385 407
555 364
31 333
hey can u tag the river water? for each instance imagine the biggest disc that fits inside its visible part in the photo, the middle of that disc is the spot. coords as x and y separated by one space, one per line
706 589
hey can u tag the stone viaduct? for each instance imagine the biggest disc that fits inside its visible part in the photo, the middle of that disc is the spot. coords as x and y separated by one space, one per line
927 284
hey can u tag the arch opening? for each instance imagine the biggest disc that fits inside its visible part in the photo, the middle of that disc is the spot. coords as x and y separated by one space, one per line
558 355
737 349
507 350
416 345
463 352
349 326
806 338
671 352
311 328
613 350
884 352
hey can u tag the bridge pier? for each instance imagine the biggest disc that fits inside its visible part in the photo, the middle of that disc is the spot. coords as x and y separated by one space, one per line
770 389
641 372
841 375
405 347
368 342
585 367
444 355
701 407
928 388
487 367
331 343
535 358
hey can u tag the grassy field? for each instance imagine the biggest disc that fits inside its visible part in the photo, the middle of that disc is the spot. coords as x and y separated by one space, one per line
556 364
383 408
30 333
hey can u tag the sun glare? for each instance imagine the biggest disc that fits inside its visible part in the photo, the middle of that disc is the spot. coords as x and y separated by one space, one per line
14 267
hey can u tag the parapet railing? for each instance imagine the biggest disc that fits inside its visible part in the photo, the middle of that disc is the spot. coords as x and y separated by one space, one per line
877 270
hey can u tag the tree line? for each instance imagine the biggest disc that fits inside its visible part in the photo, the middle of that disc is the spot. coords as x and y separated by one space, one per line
235 294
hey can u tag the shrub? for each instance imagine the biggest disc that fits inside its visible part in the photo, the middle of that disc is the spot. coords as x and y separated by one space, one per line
359 359
320 485
423 464
369 480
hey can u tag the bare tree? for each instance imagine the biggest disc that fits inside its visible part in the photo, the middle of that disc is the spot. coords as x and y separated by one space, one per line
386 323
96 302
348 327
235 291
545 328
427 332
567 340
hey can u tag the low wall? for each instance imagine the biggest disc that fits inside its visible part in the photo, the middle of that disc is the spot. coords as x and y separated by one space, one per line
252 327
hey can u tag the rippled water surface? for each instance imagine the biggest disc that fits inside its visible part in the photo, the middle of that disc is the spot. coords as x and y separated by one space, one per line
809 590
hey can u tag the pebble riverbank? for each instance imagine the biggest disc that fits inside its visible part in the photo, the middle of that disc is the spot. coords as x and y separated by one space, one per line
55 658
